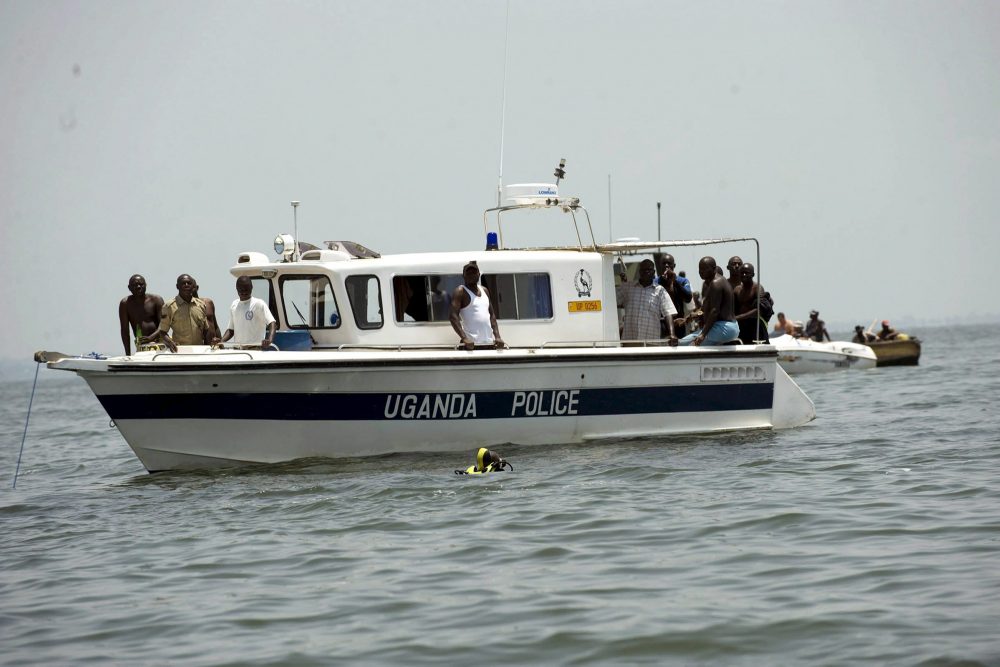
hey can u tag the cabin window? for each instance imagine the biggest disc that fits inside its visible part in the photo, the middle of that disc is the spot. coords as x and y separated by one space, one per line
261 286
423 298
309 302
515 296
366 301
520 296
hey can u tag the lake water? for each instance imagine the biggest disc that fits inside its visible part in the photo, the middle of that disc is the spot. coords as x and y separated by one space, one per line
870 536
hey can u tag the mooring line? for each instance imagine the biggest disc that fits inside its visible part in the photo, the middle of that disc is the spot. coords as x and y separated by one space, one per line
26 419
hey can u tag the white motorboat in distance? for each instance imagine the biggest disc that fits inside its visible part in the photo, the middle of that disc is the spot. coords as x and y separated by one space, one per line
379 371
804 355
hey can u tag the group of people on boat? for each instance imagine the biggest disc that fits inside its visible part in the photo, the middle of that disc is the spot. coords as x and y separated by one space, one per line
188 319
661 304
864 336
813 329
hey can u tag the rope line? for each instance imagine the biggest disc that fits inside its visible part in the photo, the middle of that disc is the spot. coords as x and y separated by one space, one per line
30 401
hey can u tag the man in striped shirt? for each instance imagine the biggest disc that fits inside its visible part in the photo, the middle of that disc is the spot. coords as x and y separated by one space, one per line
646 303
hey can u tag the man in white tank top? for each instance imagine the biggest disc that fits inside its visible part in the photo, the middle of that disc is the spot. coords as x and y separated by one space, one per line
472 314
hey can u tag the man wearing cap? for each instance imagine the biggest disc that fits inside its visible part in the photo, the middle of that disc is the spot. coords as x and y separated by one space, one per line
887 332
816 328
472 316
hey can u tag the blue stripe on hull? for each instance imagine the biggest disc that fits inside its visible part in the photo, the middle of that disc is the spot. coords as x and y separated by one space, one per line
430 406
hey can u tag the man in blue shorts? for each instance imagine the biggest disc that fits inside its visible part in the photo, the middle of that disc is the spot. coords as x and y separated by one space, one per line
717 303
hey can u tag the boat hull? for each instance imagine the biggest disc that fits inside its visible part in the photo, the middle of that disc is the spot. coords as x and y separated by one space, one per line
897 352
208 410
801 355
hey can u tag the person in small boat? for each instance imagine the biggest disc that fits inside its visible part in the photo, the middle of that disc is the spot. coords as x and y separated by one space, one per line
783 326
184 319
645 304
862 336
816 328
139 312
734 265
752 323
887 332
250 320
472 315
719 324
678 287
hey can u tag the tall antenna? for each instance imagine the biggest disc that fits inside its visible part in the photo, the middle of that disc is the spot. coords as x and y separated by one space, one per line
295 215
611 237
503 105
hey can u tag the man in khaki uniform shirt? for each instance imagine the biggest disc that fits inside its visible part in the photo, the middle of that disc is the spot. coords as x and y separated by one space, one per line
185 316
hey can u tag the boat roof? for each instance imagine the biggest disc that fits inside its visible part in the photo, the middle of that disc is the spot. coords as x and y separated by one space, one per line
633 247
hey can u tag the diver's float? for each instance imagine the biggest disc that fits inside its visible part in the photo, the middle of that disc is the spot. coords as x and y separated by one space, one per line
368 363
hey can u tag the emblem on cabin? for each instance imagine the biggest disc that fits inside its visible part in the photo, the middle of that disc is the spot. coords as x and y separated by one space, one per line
583 283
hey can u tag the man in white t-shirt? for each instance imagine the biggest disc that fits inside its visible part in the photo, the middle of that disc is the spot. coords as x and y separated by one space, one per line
250 320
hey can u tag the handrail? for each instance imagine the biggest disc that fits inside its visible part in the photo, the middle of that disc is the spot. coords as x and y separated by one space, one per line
398 347
214 353
567 204
605 343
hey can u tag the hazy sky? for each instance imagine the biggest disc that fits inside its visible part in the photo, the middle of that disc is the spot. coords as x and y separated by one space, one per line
859 141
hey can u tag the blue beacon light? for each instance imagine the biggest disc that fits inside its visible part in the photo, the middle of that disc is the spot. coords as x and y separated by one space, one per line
491 241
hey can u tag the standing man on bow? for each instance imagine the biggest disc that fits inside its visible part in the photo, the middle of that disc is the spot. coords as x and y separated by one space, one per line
250 320
138 313
185 317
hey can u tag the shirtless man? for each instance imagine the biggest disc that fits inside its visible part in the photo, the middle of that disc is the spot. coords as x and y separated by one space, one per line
783 326
138 313
745 297
472 315
210 309
734 271
717 304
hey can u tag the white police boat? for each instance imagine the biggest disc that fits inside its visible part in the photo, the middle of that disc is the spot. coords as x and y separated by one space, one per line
368 361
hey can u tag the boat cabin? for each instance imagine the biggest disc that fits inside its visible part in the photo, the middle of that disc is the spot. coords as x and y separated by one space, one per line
347 298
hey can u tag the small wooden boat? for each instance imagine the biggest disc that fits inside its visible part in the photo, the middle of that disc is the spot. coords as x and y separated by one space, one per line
901 351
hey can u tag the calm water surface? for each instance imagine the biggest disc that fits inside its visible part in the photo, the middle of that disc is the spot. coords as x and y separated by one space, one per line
870 536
